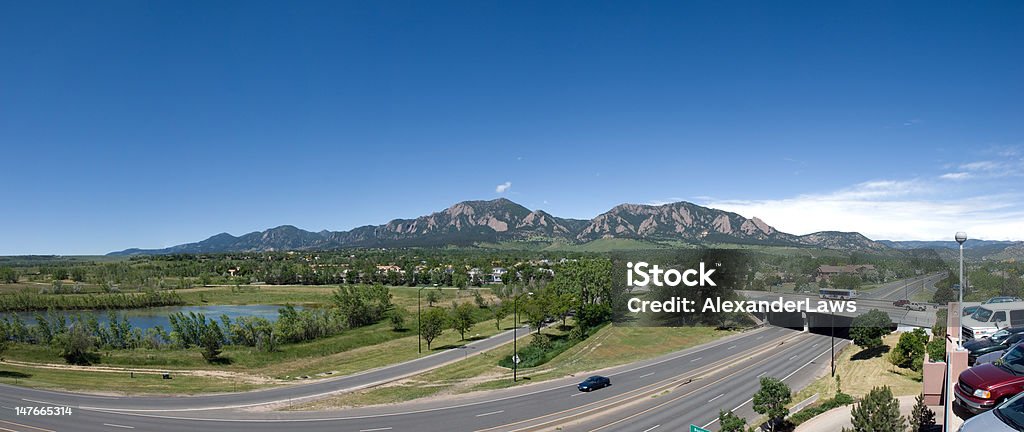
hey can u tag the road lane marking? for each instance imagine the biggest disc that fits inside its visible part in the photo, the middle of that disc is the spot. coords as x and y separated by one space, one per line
118 426
731 347
761 374
793 358
375 429
716 398
652 428
136 413
698 358
578 394
145 412
25 425
691 392
646 375
490 413
815 345
787 376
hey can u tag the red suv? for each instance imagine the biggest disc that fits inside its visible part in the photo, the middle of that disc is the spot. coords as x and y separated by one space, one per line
984 386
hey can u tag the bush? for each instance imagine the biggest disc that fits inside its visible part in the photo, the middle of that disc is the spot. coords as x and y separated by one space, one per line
909 351
840 399
936 349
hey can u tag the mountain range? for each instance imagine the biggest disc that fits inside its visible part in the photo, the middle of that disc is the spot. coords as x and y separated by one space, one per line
500 220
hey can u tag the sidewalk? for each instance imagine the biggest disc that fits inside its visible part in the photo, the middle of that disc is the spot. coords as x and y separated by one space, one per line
838 418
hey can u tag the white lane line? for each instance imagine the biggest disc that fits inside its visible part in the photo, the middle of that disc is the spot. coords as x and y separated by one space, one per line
118 426
761 374
698 358
146 412
578 394
816 345
652 428
716 398
490 413
375 429
759 337
731 347
793 358
6 407
646 375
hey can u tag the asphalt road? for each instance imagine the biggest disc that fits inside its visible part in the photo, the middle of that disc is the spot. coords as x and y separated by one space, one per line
285 394
510 409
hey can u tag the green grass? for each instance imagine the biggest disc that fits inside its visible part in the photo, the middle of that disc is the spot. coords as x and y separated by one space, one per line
116 382
610 346
353 351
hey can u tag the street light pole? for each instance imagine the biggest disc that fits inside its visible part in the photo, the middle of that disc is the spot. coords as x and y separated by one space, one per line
961 237
833 344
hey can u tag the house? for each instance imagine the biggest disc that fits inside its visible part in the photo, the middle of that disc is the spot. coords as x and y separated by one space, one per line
383 269
496 274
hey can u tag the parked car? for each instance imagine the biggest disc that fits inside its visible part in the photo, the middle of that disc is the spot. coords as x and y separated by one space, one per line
999 342
1007 417
593 383
984 386
1005 299
900 303
916 306
989 318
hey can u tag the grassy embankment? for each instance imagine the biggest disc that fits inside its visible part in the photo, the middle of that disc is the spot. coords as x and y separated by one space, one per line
610 346
352 351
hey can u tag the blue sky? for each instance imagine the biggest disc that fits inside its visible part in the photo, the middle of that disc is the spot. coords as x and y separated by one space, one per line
148 124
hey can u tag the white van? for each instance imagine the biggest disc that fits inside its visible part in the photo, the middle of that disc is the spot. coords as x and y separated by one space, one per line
989 318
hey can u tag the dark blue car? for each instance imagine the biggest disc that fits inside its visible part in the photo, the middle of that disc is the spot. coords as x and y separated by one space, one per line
593 383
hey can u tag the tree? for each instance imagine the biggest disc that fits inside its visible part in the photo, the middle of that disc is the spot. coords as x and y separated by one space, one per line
909 351
211 340
878 412
846 281
479 299
432 323
868 329
76 346
500 311
431 298
8 275
731 422
771 400
462 318
397 316
921 417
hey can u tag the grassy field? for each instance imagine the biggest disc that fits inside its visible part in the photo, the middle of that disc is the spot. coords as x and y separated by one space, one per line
610 346
859 375
118 382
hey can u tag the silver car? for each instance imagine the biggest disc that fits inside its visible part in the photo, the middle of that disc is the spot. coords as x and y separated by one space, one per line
1006 417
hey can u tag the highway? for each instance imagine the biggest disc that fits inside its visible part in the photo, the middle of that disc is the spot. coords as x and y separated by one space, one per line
540 405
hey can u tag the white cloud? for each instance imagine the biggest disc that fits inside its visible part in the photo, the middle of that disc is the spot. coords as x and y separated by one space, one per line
896 210
981 166
962 175
503 187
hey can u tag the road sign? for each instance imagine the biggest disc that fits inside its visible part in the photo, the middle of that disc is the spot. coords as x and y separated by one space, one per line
695 428
515 359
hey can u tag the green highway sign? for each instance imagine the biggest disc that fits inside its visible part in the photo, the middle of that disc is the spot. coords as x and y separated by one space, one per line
695 428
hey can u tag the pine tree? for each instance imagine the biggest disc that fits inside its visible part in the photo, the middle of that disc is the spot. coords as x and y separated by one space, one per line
879 411
921 418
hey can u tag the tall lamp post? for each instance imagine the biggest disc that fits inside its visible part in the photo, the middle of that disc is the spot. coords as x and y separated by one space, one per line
515 325
419 331
961 237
